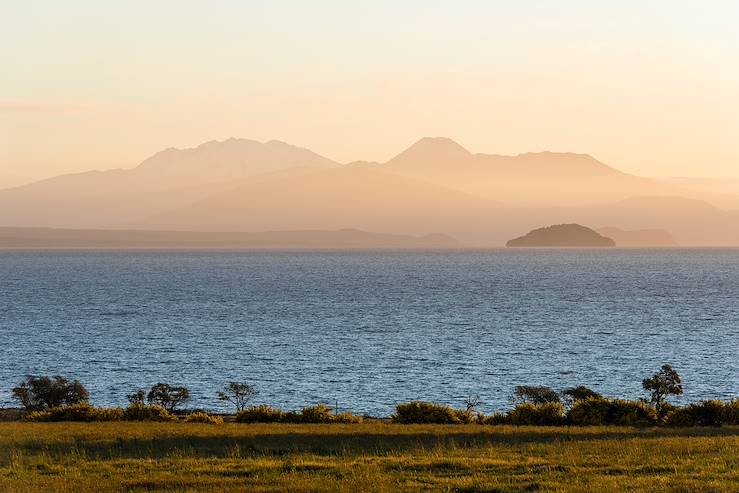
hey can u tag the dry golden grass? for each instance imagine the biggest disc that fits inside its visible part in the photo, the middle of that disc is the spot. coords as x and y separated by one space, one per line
189 457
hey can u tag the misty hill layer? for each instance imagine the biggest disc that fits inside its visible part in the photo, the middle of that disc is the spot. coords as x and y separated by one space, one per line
345 238
562 235
435 185
167 180
639 237
542 178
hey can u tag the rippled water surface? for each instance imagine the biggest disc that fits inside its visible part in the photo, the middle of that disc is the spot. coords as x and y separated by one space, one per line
369 329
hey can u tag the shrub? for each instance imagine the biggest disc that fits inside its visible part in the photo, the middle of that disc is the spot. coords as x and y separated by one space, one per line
665 410
168 396
238 394
347 418
704 413
549 414
259 414
204 418
41 416
590 412
322 414
40 393
138 397
633 413
581 393
314 414
109 414
469 417
142 412
538 396
77 412
495 419
731 412
417 412
599 412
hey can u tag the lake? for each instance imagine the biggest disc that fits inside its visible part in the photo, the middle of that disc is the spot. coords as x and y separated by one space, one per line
369 329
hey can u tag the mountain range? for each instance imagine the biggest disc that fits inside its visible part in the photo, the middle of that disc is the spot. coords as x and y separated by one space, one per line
434 186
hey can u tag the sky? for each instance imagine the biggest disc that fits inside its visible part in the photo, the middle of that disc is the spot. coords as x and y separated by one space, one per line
649 86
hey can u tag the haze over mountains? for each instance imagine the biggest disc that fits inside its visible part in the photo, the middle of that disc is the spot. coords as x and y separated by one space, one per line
8 180
435 186
544 178
640 237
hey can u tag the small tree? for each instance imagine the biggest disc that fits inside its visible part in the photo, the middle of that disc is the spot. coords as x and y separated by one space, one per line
471 403
237 393
168 396
581 393
137 398
538 396
40 393
663 383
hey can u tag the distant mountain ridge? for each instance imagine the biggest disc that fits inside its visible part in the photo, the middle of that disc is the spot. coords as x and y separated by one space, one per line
241 185
167 180
231 159
525 179
8 180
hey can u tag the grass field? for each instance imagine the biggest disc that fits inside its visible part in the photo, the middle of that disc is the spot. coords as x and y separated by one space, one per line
132 457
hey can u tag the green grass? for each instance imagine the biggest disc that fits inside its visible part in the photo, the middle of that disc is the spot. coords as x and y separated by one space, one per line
189 457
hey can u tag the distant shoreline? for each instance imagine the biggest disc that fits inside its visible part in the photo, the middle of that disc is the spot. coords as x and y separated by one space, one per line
54 238
308 248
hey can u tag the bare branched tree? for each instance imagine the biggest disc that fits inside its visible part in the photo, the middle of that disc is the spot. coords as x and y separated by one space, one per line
237 393
472 402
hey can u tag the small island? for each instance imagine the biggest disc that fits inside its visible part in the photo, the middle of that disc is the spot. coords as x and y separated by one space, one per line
562 235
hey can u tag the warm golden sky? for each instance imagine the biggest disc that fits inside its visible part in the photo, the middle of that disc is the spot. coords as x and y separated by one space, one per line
651 87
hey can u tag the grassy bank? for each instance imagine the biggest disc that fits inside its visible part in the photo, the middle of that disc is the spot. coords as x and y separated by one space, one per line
103 457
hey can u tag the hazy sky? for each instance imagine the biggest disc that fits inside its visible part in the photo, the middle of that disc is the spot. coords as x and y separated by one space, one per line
651 87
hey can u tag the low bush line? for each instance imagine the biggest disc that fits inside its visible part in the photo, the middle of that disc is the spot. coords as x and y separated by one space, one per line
59 399
594 411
